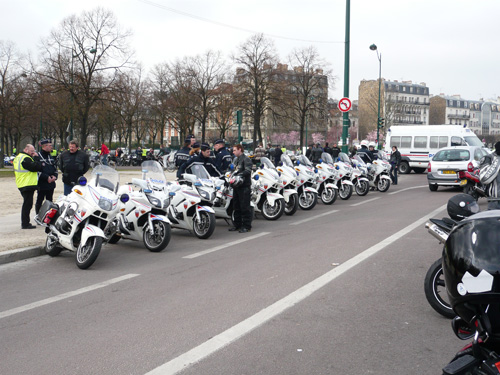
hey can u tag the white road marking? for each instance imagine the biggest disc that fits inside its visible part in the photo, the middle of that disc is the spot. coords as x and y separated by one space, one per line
232 334
365 201
410 188
60 297
314 217
217 248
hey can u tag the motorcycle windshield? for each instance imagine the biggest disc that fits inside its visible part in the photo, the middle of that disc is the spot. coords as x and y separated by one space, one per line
344 158
382 155
200 172
327 158
266 163
359 161
108 177
154 173
304 160
285 159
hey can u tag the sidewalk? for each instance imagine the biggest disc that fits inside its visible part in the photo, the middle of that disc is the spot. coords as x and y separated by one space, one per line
16 243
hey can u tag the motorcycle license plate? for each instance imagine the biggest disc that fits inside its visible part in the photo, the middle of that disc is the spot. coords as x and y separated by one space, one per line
463 182
449 172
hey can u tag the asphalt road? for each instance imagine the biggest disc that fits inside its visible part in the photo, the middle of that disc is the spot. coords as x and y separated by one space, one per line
335 290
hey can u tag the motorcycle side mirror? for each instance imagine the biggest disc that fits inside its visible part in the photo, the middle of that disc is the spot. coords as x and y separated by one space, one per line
256 177
462 329
171 194
231 166
124 198
82 181
147 191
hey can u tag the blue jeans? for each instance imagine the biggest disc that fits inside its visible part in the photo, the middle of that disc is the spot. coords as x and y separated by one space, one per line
105 159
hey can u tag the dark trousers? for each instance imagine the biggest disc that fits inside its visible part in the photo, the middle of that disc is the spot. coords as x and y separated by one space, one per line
27 205
43 195
394 173
67 189
242 208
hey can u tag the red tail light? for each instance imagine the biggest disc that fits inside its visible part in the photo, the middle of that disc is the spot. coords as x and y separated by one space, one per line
461 175
429 168
470 167
50 215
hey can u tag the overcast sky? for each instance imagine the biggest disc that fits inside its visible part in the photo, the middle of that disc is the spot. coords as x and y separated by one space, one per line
451 45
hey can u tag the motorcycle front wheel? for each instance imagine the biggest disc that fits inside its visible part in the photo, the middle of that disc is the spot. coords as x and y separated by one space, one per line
87 254
51 247
160 238
307 200
435 290
383 185
362 188
204 227
292 205
273 212
345 191
329 195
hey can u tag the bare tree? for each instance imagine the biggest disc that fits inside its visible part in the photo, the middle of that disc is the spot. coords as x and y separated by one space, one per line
305 94
207 72
83 58
224 109
255 59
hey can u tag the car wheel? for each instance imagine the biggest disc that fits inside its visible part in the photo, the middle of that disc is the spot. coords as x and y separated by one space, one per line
433 187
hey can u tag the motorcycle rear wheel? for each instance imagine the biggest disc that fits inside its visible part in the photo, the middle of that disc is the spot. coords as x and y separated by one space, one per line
51 247
292 205
329 195
273 212
307 200
204 227
160 238
435 290
362 188
345 191
87 254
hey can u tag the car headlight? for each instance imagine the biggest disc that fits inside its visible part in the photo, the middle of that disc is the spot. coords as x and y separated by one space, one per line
105 204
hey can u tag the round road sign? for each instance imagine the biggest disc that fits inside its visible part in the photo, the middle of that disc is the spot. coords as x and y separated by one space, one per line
344 104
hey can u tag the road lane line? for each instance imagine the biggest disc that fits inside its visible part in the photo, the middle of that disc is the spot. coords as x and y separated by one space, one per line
314 217
217 248
60 297
410 188
232 334
365 201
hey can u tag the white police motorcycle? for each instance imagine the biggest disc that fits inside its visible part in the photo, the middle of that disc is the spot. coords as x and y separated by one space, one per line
78 222
306 180
265 191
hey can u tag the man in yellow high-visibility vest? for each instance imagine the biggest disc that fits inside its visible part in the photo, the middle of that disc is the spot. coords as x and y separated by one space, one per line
25 170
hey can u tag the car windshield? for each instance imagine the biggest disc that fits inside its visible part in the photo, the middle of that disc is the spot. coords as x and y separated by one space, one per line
108 177
267 163
452 155
304 160
327 158
285 159
473 141
154 173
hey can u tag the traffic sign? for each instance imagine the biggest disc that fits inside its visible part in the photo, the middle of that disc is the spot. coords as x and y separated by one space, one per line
344 104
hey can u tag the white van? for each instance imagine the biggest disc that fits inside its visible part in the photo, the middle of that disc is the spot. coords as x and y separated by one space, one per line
418 143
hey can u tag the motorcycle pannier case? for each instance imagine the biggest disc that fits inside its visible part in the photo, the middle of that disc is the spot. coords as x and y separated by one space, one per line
49 212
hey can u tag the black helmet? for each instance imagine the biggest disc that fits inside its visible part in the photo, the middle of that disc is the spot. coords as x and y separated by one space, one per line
471 268
461 206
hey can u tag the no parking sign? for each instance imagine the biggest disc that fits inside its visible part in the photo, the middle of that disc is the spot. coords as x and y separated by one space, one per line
344 104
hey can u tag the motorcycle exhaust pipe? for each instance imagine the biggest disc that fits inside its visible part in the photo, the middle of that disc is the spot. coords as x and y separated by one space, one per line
437 232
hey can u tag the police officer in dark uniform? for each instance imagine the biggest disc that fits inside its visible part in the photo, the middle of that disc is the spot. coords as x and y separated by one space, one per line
204 159
335 151
316 153
73 163
48 176
222 156
242 194
364 153
182 155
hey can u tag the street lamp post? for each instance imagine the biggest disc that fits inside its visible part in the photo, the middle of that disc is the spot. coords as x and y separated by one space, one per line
373 47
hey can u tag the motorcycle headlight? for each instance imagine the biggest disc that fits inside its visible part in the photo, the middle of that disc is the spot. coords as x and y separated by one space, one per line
154 201
204 194
105 204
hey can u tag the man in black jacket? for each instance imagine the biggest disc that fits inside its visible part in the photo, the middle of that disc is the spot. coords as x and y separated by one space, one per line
73 163
182 155
203 159
395 161
242 194
222 156
48 176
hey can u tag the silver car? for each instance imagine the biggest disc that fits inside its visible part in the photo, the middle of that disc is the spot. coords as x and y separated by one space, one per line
444 165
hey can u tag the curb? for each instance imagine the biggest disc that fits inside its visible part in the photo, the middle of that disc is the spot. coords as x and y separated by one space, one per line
20 254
